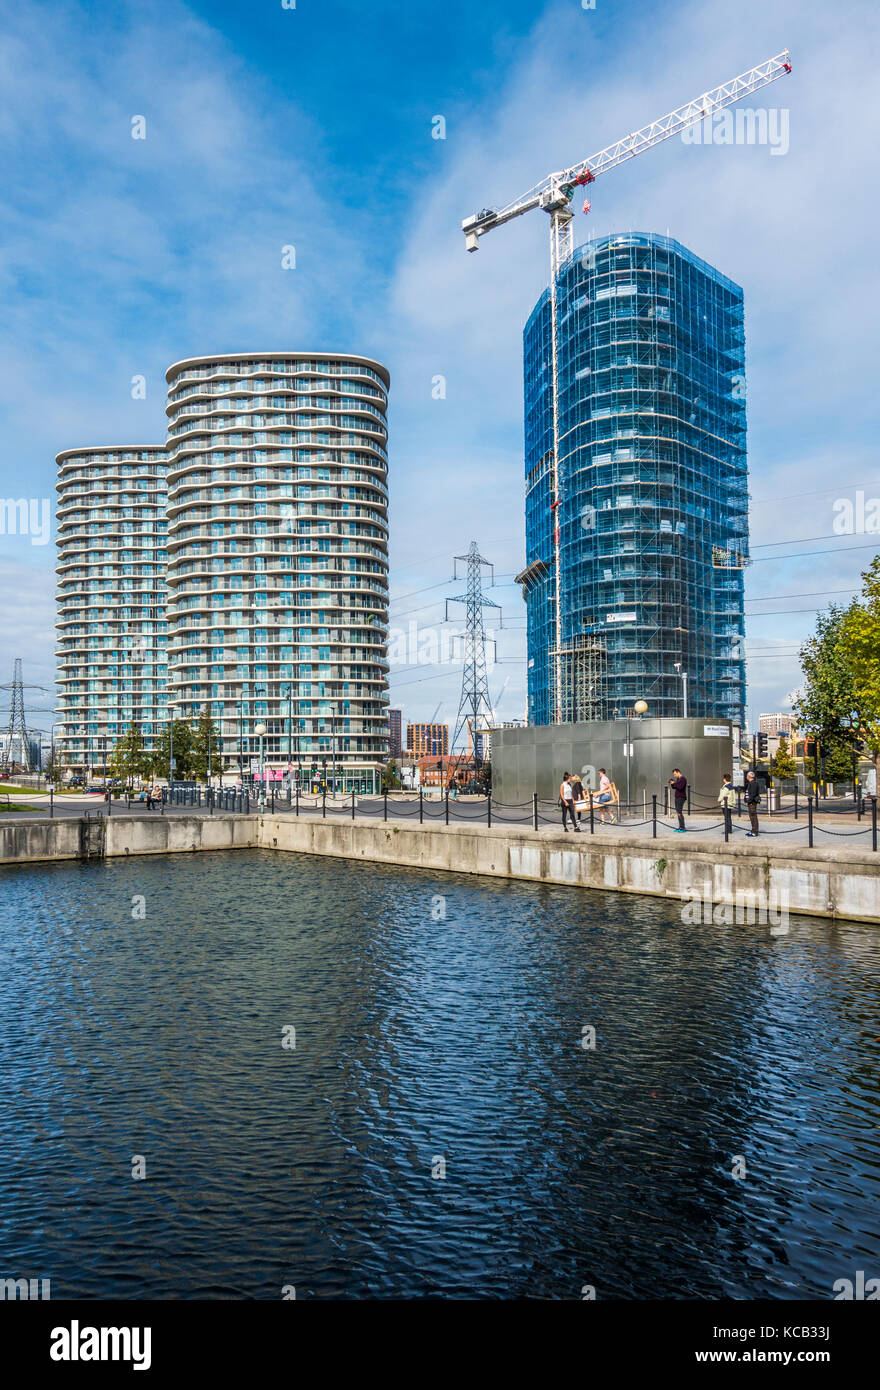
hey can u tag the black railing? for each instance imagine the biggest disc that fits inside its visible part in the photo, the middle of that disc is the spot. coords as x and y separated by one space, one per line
820 826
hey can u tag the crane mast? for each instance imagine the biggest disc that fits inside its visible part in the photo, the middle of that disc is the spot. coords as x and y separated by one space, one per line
554 194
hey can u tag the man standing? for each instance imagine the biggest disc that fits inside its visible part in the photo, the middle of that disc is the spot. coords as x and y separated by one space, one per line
678 783
753 796
566 801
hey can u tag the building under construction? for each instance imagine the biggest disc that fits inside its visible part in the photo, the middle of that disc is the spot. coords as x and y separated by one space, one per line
651 500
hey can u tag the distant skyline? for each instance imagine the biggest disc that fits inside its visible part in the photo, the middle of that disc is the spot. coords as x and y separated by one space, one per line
313 129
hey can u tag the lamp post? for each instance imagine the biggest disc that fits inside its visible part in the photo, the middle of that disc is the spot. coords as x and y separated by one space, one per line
684 689
288 693
260 730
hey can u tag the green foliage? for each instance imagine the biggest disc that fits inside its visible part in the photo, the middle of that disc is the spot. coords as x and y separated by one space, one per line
205 747
130 758
840 704
183 751
782 764
391 777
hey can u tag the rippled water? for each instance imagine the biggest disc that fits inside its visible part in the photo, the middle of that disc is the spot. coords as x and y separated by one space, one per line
420 1039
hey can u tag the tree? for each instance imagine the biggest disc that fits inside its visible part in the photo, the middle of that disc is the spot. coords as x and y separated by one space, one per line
130 758
782 764
183 754
840 704
391 777
206 749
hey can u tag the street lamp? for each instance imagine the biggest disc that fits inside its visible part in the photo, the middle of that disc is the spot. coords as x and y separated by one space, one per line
684 689
260 730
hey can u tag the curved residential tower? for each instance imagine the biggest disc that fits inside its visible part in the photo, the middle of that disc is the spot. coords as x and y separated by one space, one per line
652 495
110 601
278 560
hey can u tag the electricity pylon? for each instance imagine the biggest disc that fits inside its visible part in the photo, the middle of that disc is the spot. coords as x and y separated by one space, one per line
474 704
17 730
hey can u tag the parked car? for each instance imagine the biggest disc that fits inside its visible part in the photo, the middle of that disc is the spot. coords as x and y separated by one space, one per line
95 789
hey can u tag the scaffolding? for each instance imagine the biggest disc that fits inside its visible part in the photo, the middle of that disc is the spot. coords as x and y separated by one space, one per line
582 668
652 493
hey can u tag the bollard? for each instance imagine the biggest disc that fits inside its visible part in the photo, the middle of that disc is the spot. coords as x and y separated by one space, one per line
51 802
421 807
739 802
447 805
795 801
725 811
384 803
860 806
665 800
297 798
592 817
324 802
535 809
810 820
874 823
352 803
654 815
489 808
247 802
689 798
273 798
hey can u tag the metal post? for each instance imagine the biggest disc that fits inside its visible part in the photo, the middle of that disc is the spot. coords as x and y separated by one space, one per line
654 816
795 800
592 817
447 805
273 798
324 800
810 820
297 798
352 803
725 811
535 809
421 806
51 800
689 798
489 807
874 823
384 803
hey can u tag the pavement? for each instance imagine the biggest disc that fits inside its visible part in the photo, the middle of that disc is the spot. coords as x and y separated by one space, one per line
840 825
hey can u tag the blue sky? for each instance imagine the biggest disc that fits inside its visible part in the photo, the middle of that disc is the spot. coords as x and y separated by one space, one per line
313 127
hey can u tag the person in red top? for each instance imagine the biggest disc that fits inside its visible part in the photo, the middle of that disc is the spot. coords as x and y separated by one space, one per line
678 783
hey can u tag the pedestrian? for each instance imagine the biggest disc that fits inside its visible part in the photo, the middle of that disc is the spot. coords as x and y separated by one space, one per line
727 800
566 801
605 797
678 783
577 792
753 797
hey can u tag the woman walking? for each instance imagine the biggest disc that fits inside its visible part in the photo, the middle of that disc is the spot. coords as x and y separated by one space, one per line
566 801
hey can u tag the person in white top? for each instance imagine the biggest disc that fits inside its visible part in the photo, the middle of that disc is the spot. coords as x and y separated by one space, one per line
566 801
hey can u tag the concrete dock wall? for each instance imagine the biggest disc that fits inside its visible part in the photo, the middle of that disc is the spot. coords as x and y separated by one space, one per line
816 882
826 883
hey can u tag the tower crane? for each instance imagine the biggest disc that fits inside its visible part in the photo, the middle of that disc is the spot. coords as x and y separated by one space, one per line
554 194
